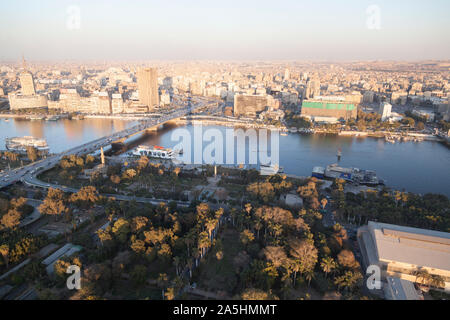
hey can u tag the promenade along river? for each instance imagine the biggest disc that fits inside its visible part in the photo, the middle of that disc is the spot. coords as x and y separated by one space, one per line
419 167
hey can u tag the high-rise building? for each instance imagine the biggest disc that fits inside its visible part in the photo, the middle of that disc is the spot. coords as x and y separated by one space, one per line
287 74
385 110
312 89
148 87
27 81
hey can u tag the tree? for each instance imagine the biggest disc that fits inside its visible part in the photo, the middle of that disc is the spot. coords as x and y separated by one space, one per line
324 202
210 225
139 275
115 179
120 229
328 265
257 294
304 252
437 281
4 252
346 258
170 293
276 255
420 126
202 212
137 223
162 282
54 203
422 276
10 220
247 236
349 281
129 174
86 197
32 153
189 239
203 242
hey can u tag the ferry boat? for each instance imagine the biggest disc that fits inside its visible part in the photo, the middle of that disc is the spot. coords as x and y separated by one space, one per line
52 118
36 117
353 175
154 152
269 170
20 144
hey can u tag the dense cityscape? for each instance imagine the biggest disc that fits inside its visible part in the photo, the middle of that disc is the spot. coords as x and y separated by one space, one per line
97 203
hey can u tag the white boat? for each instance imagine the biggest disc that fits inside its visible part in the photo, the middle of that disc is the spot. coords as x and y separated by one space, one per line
269 170
20 144
154 152
36 117
52 118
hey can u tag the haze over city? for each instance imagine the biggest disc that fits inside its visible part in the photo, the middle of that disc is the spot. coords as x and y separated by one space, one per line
226 30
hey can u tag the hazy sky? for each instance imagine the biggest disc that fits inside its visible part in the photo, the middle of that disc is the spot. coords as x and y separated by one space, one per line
226 29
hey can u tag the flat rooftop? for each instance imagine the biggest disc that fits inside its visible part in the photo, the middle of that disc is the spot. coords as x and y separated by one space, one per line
418 247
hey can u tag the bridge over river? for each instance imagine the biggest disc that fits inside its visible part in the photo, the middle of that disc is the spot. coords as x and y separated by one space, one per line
29 172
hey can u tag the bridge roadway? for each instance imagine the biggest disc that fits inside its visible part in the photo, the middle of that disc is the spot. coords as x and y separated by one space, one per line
28 173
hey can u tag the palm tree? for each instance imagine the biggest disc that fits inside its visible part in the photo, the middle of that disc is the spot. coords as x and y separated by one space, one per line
219 214
422 277
189 239
210 225
4 252
176 262
162 282
170 294
328 265
203 242
309 276
190 264
324 202
258 226
295 267
437 281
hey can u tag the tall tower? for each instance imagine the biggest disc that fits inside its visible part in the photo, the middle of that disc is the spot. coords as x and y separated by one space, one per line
147 79
26 81
102 156
287 74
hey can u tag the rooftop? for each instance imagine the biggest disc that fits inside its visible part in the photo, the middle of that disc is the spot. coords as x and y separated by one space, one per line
418 247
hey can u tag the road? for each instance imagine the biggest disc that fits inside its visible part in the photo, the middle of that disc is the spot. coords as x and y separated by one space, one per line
27 173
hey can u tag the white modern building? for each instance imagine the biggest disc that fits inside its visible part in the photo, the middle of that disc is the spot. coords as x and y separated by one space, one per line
385 111
401 251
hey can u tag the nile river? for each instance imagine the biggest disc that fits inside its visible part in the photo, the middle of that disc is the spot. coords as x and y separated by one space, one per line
417 167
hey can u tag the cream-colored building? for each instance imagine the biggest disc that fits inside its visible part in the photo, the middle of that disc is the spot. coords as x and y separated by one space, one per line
70 101
401 251
148 87
18 101
27 83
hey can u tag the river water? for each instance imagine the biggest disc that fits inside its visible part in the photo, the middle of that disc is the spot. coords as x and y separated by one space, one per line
417 167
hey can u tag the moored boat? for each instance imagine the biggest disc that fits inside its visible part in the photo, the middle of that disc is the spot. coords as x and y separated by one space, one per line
154 152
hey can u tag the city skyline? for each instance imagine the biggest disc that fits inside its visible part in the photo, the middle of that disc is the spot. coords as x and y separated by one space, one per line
288 30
